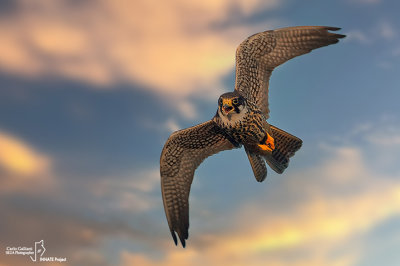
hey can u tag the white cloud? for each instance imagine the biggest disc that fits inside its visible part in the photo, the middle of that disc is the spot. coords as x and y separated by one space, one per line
187 109
132 193
385 137
170 125
381 30
367 1
396 51
359 36
385 65
387 30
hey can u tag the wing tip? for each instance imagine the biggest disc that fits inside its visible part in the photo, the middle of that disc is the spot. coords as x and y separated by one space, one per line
332 28
335 35
183 242
174 238
181 238
324 30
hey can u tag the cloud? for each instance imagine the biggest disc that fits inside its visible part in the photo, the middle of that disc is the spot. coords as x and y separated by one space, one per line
357 35
382 30
381 33
65 234
370 2
79 219
396 51
387 30
21 165
173 48
389 137
385 65
131 193
325 214
19 158
170 125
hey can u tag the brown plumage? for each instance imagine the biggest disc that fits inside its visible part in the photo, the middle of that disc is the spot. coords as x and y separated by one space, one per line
241 119
182 154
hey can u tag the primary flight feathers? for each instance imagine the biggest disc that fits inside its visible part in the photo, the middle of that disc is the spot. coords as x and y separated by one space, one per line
240 120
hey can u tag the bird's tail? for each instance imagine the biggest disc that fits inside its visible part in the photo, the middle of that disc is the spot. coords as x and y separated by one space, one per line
285 147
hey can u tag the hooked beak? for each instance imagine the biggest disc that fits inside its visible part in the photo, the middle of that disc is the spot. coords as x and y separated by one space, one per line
227 108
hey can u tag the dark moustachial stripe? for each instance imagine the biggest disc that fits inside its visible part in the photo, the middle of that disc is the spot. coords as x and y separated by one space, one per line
184 151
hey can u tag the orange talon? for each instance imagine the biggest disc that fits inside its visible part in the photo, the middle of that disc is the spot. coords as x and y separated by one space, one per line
269 144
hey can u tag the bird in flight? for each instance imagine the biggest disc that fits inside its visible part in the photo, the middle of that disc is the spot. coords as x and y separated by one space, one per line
240 120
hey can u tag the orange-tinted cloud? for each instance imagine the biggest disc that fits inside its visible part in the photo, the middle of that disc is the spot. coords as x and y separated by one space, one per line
20 159
173 47
317 226
21 165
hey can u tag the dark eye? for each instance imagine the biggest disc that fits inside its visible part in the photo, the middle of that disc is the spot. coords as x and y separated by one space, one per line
235 101
220 101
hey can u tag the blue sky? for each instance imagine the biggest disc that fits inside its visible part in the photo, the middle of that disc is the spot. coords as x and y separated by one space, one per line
91 91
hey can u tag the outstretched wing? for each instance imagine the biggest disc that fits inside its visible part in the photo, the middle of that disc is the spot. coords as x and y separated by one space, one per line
182 154
260 53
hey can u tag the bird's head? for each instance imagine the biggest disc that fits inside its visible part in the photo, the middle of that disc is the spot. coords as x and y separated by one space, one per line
231 103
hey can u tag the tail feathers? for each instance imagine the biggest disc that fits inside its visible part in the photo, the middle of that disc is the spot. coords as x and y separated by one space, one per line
257 163
285 147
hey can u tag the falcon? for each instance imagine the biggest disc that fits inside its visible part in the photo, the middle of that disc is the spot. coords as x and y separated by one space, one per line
240 120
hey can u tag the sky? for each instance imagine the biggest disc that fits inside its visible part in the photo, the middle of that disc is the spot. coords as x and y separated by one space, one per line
91 90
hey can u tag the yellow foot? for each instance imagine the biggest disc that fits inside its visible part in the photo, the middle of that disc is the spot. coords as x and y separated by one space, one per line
269 144
265 147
